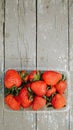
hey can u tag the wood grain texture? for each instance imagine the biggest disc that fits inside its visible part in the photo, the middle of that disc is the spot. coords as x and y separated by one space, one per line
20 52
53 121
52 34
19 121
20 33
52 52
71 32
71 107
71 59
1 104
1 32
1 62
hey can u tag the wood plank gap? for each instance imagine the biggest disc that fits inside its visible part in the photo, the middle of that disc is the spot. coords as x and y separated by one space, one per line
36 32
4 39
36 56
3 67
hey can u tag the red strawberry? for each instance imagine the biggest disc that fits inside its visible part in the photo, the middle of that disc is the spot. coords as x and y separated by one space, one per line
17 98
61 86
50 91
24 76
39 88
12 78
58 101
34 75
51 77
38 103
25 98
11 102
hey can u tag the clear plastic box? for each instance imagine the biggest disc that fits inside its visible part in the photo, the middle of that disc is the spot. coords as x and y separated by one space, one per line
67 93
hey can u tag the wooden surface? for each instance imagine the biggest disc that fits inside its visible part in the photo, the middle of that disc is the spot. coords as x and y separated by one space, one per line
52 34
54 51
20 51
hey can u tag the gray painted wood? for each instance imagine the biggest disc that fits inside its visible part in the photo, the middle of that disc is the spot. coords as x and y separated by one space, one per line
71 32
20 33
71 109
20 36
1 62
1 32
53 53
53 121
52 34
71 59
19 121
20 46
1 109
1 104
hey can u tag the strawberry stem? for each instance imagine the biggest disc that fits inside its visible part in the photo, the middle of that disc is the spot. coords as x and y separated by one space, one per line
49 87
37 76
29 90
14 91
64 77
30 93
30 96
47 98
22 74
48 105
6 91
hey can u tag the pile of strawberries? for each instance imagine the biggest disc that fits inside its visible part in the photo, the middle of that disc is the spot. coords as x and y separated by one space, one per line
35 89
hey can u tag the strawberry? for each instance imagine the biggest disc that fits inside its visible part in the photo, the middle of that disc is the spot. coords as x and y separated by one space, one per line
34 75
50 91
39 88
26 99
58 101
51 77
61 86
12 78
38 103
24 75
17 98
11 102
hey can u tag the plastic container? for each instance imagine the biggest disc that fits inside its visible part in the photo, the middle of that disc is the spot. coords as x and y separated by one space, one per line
67 94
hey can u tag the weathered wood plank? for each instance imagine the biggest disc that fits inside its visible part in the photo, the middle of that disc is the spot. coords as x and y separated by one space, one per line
1 61
71 107
71 32
1 31
52 34
1 104
20 33
52 52
71 58
20 51
53 121
19 121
